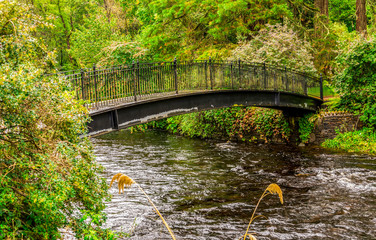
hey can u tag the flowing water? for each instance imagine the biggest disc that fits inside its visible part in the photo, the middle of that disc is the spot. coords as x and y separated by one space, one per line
208 189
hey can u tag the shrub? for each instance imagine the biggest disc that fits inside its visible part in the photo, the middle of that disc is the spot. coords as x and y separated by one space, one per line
97 42
236 123
356 83
49 178
363 140
306 126
277 45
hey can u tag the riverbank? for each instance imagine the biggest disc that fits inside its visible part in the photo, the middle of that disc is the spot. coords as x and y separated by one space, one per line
247 124
331 129
361 141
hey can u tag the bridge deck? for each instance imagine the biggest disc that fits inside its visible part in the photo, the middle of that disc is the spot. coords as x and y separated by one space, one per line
133 113
116 103
117 96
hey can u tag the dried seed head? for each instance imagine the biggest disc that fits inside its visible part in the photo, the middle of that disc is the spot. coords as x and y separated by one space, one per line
273 189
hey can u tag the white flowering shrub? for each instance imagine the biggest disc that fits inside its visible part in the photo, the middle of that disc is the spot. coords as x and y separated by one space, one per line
277 45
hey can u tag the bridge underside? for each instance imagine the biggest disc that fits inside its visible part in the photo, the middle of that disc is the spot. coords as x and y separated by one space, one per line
130 114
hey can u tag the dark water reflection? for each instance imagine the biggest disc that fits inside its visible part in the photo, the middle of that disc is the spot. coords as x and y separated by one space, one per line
208 189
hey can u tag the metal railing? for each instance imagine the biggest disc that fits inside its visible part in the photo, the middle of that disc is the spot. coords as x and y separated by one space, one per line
105 87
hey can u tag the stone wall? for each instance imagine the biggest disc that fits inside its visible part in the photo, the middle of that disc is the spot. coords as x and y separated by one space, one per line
327 124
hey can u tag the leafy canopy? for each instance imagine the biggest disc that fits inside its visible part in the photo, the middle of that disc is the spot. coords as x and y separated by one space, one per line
48 176
190 29
356 83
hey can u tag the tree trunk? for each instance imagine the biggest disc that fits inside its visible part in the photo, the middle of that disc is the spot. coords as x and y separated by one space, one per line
325 8
321 21
321 17
372 7
322 6
108 10
361 18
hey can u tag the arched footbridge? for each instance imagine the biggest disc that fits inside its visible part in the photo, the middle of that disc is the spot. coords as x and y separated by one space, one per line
127 95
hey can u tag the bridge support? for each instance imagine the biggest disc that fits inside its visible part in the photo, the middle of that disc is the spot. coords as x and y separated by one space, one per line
131 114
115 119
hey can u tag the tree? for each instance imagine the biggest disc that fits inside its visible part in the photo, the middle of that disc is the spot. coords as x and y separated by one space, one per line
322 6
192 29
18 41
321 16
356 83
49 177
342 11
66 16
371 13
361 18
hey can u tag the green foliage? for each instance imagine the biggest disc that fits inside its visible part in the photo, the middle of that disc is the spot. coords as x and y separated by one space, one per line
343 11
66 16
363 140
236 123
332 104
90 38
95 41
267 123
87 32
49 178
356 83
158 124
18 43
326 50
190 29
306 126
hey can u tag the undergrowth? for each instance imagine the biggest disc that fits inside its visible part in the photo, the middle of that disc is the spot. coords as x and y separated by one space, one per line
236 123
363 140
306 126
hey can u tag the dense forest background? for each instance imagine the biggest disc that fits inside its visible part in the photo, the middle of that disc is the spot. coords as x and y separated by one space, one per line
48 175
77 33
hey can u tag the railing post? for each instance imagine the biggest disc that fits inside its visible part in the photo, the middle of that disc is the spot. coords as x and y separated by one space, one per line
231 76
250 78
292 83
206 74
114 79
305 86
240 74
95 86
134 82
321 88
138 78
82 84
287 81
176 75
210 73
111 83
265 82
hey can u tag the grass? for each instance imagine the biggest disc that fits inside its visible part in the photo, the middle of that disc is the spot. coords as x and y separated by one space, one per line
271 189
315 91
124 180
360 141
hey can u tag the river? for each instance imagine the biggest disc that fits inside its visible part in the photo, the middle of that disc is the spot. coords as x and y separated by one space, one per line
208 189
